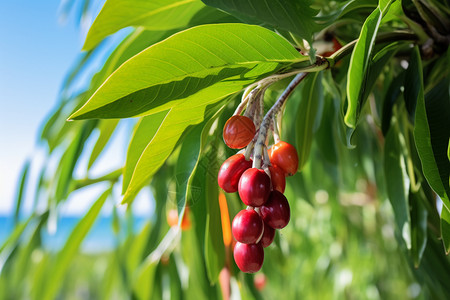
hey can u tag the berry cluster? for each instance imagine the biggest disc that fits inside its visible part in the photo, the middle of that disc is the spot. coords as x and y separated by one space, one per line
260 187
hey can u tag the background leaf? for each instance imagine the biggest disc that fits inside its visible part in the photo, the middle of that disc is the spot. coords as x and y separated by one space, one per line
311 99
294 16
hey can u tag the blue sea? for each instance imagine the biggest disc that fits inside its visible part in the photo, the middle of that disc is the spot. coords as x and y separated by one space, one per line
100 238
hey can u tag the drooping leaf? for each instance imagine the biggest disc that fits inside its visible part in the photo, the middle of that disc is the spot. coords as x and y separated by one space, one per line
20 191
445 229
203 71
106 128
154 15
307 114
359 63
397 182
413 82
392 94
293 16
143 133
53 282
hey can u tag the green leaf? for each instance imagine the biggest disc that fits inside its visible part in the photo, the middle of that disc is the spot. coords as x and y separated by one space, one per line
307 113
397 182
106 128
154 15
64 258
359 64
419 217
294 16
431 133
20 192
445 229
413 82
143 133
203 71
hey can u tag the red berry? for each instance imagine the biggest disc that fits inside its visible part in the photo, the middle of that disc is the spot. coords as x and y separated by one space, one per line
268 235
254 187
247 226
276 212
285 157
238 131
249 257
230 172
278 178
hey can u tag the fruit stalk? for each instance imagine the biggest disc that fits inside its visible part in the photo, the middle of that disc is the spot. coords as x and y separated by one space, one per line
264 128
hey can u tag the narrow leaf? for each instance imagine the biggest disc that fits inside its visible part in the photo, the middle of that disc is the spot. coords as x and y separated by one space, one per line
106 128
413 82
397 182
20 191
307 113
205 68
419 216
143 133
445 228
64 258
359 64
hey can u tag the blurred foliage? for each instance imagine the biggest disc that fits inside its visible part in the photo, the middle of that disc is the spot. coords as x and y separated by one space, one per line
369 209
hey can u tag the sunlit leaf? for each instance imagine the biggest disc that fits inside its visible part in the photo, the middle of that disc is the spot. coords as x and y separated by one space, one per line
20 191
199 73
143 133
106 128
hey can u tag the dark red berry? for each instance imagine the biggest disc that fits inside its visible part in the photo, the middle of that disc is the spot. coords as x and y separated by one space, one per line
278 178
268 235
238 131
254 187
247 226
231 170
249 257
276 212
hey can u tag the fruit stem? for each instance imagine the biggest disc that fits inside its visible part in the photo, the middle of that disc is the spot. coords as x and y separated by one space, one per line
265 125
245 98
276 134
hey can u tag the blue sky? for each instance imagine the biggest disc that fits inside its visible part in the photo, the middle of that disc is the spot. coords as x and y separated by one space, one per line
36 52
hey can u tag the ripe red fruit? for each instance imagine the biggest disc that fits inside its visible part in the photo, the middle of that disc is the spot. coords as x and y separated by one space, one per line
285 157
254 187
276 212
278 178
247 226
238 131
249 257
268 235
230 172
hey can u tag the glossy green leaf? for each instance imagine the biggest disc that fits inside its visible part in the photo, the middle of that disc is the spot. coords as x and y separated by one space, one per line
431 133
445 229
144 131
203 71
307 115
64 258
154 15
397 182
359 64
293 16
392 94
106 128
136 250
